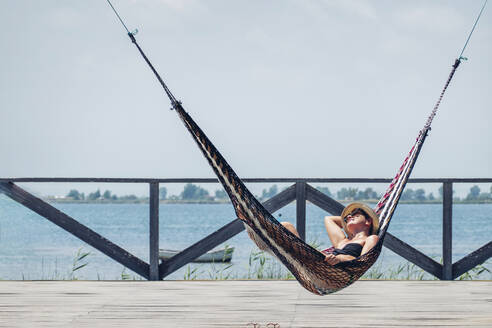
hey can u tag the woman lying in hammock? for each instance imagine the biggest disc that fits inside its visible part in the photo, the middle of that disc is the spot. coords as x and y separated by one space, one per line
360 224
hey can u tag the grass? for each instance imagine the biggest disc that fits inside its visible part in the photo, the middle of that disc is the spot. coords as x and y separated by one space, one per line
474 273
404 271
127 276
261 265
410 271
79 262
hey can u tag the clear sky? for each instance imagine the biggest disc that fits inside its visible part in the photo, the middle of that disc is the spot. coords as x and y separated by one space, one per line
283 88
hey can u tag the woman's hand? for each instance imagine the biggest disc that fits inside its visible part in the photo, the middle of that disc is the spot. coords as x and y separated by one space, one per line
331 259
334 259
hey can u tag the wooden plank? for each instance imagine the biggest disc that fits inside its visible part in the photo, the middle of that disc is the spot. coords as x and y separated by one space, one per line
473 259
75 228
301 209
218 237
241 304
447 231
413 255
154 231
323 201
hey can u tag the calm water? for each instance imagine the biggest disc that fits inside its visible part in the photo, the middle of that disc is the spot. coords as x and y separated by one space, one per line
33 248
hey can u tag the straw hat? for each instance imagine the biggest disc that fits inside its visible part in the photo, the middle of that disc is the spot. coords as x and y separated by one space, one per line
366 209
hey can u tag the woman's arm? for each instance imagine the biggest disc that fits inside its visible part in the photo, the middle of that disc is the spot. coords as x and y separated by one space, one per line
333 225
334 259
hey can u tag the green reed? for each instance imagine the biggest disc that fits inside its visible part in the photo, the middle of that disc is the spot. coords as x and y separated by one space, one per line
475 273
79 262
410 271
262 265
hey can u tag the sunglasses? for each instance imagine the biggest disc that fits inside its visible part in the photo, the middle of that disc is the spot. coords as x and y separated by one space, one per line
355 212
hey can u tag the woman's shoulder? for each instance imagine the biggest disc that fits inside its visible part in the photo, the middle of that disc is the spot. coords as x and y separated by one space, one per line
372 240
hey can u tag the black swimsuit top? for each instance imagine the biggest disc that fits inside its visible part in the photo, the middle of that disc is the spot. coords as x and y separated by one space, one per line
352 249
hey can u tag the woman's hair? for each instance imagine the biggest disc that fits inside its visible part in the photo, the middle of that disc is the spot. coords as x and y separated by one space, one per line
368 217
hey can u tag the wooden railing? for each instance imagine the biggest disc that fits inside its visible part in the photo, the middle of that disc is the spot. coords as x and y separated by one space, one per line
300 191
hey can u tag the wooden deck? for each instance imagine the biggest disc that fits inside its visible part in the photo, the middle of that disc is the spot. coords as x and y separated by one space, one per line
242 303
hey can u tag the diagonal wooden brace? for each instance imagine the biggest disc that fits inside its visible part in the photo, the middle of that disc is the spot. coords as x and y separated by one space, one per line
323 201
413 255
472 260
75 228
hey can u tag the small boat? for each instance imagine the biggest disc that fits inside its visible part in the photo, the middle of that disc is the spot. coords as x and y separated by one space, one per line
220 255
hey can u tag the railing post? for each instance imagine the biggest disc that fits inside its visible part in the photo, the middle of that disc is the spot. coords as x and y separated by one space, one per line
154 231
447 231
301 209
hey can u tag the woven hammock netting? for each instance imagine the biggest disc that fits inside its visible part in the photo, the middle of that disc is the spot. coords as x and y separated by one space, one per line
303 261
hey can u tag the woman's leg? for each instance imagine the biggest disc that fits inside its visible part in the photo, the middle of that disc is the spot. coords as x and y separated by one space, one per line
257 240
261 245
289 226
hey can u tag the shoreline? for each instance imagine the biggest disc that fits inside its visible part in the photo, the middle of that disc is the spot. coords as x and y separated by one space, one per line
226 201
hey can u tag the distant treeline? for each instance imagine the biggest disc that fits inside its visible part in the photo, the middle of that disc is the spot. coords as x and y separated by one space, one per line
96 195
192 192
418 195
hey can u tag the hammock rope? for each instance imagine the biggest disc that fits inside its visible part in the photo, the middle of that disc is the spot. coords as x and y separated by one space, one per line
306 263
472 30
131 35
396 186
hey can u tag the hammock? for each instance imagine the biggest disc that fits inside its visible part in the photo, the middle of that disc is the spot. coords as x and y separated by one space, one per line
306 263
303 261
